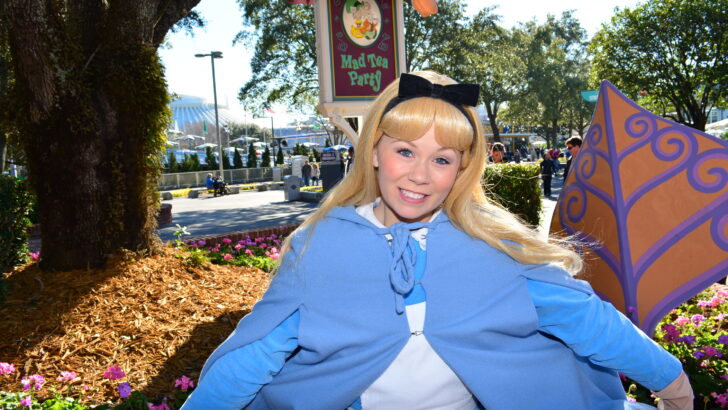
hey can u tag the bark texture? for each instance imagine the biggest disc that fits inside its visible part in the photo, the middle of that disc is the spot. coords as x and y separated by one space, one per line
93 113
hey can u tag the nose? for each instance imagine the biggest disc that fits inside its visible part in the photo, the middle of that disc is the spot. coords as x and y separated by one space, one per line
420 172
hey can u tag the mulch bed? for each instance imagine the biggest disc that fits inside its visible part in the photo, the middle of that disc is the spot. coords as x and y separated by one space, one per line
155 317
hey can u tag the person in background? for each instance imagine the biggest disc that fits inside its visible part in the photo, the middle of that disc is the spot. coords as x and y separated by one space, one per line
315 174
573 145
306 173
210 181
497 152
555 160
349 160
547 171
409 289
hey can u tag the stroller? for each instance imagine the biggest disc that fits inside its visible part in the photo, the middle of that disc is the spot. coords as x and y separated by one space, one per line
219 187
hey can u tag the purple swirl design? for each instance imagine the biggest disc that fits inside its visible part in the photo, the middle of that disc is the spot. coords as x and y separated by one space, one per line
575 206
670 144
640 125
718 173
718 227
594 135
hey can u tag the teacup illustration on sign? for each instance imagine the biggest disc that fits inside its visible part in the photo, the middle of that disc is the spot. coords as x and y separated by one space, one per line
361 21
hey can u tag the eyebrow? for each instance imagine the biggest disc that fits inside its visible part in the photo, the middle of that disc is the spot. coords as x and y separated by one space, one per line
410 143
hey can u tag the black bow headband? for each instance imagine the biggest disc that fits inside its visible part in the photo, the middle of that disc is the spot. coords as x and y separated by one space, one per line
413 86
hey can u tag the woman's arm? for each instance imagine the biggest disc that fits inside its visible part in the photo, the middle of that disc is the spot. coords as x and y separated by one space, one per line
597 331
235 378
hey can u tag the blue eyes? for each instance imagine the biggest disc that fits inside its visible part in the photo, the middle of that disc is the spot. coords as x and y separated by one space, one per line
405 152
408 154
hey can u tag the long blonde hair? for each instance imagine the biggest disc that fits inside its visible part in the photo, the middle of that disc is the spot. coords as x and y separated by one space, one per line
466 205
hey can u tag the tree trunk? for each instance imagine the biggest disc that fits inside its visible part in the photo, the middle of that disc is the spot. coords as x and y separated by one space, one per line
493 123
94 114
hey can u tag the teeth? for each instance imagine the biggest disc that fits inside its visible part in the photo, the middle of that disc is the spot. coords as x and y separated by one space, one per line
412 194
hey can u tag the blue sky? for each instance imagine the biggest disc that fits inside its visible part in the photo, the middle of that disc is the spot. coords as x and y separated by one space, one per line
189 75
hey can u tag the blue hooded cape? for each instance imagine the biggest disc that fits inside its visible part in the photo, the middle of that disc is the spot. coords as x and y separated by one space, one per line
347 284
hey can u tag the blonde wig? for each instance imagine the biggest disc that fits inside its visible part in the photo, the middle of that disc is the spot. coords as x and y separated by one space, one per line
466 205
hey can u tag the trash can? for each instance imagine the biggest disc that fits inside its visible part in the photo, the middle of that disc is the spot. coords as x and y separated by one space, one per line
332 168
292 187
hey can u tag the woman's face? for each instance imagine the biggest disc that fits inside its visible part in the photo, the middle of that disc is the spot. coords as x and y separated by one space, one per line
414 177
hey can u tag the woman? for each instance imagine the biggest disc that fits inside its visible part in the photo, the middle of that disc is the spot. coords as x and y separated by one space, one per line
408 288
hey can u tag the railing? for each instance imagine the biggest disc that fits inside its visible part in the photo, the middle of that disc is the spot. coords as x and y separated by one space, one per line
231 176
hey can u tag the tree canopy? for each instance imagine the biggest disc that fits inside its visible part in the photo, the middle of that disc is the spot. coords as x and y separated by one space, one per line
671 51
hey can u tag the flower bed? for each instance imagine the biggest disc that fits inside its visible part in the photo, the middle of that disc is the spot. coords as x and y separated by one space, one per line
697 334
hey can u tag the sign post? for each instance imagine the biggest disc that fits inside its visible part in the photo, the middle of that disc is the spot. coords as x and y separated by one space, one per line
360 50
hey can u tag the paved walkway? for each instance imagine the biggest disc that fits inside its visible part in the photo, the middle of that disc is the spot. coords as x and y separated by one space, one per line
247 210
208 215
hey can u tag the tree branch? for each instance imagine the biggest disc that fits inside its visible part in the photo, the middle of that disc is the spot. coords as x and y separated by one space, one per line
169 12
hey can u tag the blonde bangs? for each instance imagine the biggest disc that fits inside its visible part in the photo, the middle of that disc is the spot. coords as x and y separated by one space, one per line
412 118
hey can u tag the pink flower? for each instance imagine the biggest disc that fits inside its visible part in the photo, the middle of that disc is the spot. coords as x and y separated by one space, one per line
275 256
710 351
671 333
38 380
113 373
25 382
697 319
26 401
67 376
722 294
6 368
227 240
34 255
631 399
704 303
124 390
682 320
184 383
721 399
719 317
237 247
716 301
161 406
249 252
85 387
227 257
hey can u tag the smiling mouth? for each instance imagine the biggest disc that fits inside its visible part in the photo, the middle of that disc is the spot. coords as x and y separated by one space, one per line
411 195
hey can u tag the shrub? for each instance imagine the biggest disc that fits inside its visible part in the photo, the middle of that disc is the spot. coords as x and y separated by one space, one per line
279 157
210 159
15 204
516 188
252 157
265 158
237 159
172 162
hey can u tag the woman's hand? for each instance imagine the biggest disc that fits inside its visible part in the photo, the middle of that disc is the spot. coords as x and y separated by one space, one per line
678 395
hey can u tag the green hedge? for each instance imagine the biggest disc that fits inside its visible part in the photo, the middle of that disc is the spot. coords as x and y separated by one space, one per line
517 188
15 204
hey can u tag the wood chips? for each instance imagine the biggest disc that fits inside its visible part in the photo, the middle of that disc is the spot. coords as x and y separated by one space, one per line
156 318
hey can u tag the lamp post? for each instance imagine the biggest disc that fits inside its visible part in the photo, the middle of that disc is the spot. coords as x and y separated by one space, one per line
213 55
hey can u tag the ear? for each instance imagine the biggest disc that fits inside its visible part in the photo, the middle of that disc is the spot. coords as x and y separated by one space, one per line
375 157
